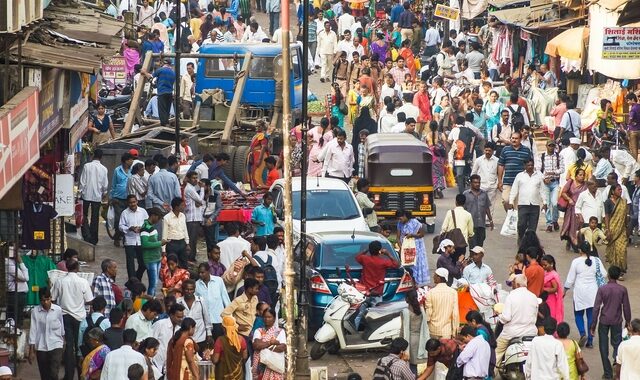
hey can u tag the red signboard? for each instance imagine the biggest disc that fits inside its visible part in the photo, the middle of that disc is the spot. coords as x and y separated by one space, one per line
19 142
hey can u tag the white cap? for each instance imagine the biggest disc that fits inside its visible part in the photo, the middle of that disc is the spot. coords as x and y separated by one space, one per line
5 371
443 272
445 243
574 140
477 249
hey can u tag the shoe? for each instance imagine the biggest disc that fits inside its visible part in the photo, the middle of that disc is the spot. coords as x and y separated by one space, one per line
322 80
589 345
116 242
549 228
317 67
556 226
582 341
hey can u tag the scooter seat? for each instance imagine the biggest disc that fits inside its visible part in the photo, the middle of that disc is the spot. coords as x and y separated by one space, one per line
385 309
520 339
111 101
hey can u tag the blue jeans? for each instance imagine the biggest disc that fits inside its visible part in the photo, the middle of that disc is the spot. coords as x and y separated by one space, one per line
274 22
370 301
579 316
153 272
552 203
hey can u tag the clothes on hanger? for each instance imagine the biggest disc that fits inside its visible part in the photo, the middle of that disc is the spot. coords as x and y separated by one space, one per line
38 267
36 225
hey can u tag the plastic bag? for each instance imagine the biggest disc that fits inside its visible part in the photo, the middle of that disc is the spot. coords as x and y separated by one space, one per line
510 225
111 217
408 251
273 360
449 177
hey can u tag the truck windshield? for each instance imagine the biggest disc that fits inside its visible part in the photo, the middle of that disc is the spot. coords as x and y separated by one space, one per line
327 205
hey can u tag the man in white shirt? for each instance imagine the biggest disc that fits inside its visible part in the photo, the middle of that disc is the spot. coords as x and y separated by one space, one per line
625 165
163 330
174 231
194 202
486 166
277 36
529 188
254 34
588 204
327 46
346 45
131 220
475 355
127 6
463 221
518 315
547 359
145 14
410 111
94 184
568 155
117 363
345 21
46 338
71 293
142 321
203 168
612 179
17 285
338 162
263 258
445 64
232 247
213 291
628 360
569 125
194 308
186 91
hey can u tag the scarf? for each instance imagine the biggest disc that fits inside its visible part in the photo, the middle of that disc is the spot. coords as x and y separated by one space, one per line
231 331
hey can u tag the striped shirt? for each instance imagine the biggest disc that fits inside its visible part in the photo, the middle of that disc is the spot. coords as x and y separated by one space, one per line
399 368
442 309
550 165
313 32
513 162
192 211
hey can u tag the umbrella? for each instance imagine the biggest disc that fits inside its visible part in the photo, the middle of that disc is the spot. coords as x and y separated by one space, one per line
568 44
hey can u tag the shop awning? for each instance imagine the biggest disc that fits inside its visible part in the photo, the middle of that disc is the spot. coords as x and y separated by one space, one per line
568 44
533 18
78 58
630 13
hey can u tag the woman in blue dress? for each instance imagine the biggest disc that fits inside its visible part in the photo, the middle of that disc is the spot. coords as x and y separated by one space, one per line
409 227
101 126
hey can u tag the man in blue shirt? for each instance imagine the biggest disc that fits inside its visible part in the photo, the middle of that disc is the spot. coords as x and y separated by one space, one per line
118 194
163 187
166 77
396 11
264 217
216 171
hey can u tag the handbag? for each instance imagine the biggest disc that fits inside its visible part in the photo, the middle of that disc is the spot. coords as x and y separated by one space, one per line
342 107
600 280
510 225
581 364
455 235
563 204
273 360
408 252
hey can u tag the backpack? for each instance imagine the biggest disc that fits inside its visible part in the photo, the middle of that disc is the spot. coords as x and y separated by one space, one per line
517 118
270 275
465 144
383 371
432 69
557 161
85 348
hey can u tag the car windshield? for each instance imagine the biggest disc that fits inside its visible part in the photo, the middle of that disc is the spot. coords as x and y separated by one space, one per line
340 254
327 205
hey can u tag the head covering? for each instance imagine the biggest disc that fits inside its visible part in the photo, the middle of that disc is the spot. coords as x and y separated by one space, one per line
551 143
477 249
443 272
133 152
574 140
231 331
445 243
5 371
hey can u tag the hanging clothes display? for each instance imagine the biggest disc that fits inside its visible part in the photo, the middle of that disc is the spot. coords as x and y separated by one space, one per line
38 266
36 225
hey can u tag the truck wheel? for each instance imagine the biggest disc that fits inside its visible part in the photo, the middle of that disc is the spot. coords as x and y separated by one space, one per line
240 164
228 169
317 350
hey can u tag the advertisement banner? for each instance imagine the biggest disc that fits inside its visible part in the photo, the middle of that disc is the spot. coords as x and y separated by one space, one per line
79 84
64 203
448 13
79 129
113 71
19 142
51 103
621 43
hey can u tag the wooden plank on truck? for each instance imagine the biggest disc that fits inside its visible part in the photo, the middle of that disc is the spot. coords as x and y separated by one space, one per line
237 96
135 101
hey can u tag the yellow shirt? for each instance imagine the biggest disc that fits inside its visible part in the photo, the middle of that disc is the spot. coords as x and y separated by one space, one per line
244 311
195 24
441 304
593 237
571 172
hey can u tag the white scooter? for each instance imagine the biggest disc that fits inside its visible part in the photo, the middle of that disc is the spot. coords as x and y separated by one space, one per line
382 323
512 366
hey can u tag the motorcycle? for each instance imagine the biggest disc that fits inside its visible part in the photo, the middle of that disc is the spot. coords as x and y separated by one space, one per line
512 365
382 323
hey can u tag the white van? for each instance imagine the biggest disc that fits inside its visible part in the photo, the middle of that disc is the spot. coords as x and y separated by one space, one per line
331 206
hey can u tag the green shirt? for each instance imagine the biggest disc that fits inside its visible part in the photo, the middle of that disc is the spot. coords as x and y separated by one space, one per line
151 246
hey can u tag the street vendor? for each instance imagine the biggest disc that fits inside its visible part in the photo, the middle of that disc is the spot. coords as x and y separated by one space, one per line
216 171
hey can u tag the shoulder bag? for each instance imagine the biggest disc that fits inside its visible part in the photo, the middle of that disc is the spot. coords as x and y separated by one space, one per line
581 364
563 203
455 235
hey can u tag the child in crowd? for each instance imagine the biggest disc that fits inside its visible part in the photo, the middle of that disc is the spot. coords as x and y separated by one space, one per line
592 234
517 267
216 268
387 232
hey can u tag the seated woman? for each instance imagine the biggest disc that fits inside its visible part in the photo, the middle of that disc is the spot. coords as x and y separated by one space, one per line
172 276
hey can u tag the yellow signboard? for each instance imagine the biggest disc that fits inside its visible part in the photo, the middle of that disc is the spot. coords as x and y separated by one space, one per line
449 13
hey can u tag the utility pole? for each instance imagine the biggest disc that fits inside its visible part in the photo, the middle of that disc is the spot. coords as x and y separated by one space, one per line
302 359
288 215
176 97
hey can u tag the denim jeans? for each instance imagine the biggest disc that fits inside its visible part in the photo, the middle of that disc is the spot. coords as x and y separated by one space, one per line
579 316
153 272
552 203
603 345
370 301
460 172
274 22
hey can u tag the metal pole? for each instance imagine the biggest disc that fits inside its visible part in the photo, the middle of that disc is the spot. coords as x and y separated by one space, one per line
302 360
20 74
288 221
176 98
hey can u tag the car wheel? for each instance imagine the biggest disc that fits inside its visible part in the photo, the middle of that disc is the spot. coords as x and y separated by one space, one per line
333 347
317 350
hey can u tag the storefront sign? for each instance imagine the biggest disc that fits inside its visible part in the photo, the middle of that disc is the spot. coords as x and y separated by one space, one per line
64 203
621 43
79 129
19 143
51 103
79 84
449 13
113 71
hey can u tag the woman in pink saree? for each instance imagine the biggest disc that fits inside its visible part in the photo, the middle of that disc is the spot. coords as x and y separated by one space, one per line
553 286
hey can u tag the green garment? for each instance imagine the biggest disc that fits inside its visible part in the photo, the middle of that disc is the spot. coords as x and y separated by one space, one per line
38 267
151 246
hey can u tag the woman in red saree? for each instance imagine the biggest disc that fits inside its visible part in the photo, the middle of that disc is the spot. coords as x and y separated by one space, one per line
409 60
258 151
181 353
553 286
172 276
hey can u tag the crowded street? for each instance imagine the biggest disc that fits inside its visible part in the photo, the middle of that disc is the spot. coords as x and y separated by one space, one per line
345 189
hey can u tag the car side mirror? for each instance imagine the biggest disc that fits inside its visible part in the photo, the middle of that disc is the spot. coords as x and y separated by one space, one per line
367 211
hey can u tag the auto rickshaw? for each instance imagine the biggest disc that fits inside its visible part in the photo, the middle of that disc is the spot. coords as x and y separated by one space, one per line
398 168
